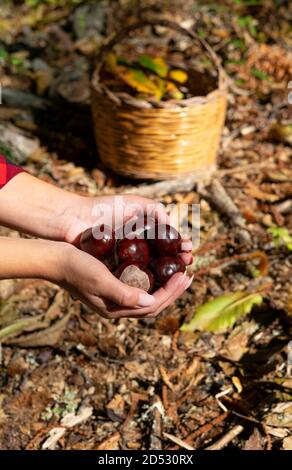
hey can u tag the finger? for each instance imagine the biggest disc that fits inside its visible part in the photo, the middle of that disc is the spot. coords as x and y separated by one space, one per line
161 296
186 257
121 294
155 210
102 307
179 291
186 244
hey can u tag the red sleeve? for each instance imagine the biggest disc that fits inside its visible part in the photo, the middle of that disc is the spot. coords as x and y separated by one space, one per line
7 171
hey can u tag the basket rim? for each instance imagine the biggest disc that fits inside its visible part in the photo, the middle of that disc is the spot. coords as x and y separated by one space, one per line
123 98
120 98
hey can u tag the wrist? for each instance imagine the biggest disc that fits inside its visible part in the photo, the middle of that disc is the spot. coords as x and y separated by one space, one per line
32 206
75 218
58 256
23 258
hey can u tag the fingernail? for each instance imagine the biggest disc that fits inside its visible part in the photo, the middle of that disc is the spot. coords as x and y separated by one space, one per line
186 245
145 300
189 282
182 278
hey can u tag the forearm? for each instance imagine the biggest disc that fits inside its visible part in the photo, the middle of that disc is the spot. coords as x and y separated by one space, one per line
23 258
32 206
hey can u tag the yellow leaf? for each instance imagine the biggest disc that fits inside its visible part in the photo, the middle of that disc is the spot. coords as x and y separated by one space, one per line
155 64
111 62
173 91
138 80
178 75
221 313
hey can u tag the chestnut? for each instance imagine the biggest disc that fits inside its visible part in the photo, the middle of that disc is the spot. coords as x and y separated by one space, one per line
166 266
135 275
98 241
136 250
164 239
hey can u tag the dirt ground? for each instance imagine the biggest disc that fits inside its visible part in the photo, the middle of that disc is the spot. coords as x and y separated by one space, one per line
72 380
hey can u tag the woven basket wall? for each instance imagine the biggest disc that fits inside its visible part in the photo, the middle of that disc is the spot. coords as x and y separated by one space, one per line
165 140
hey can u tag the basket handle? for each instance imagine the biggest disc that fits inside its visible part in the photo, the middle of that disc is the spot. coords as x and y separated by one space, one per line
168 24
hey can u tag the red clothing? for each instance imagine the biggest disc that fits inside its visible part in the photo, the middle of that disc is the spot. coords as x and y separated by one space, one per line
7 170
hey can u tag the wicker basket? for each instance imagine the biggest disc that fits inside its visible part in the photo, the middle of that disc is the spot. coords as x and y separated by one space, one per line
158 140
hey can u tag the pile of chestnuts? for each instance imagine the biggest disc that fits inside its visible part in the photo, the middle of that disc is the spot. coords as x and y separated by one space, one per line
145 261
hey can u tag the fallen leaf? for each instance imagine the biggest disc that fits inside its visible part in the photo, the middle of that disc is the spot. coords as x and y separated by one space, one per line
137 79
178 75
281 132
55 435
254 191
281 416
46 337
287 443
221 313
111 443
254 441
173 91
72 419
155 64
236 345
44 78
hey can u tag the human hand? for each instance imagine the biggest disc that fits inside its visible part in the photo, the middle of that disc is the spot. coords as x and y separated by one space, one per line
89 280
114 211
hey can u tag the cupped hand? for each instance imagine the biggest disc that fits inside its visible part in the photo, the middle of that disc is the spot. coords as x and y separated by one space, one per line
114 211
90 281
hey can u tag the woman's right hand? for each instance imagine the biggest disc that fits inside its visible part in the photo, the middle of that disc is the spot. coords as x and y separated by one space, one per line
90 280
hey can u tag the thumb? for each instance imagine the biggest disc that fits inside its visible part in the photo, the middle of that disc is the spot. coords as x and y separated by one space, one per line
121 294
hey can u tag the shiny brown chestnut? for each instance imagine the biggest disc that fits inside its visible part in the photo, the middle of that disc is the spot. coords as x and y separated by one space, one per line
98 241
136 250
166 266
164 239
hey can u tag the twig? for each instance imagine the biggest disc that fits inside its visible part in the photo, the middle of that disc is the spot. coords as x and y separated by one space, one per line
162 188
174 341
225 440
217 195
165 378
245 168
207 427
155 436
23 99
178 441
136 398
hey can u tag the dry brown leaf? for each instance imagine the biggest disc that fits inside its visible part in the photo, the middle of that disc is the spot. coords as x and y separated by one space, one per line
256 192
44 78
254 441
236 344
281 416
287 443
111 443
116 405
47 337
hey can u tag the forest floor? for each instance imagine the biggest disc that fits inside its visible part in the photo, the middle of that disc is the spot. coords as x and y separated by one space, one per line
72 380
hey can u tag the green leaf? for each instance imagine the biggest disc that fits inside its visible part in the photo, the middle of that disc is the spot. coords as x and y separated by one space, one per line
221 313
259 74
173 91
249 23
14 328
137 79
3 54
281 236
155 64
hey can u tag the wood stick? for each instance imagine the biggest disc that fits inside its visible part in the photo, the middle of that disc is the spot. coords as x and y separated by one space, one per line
23 99
218 196
227 438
